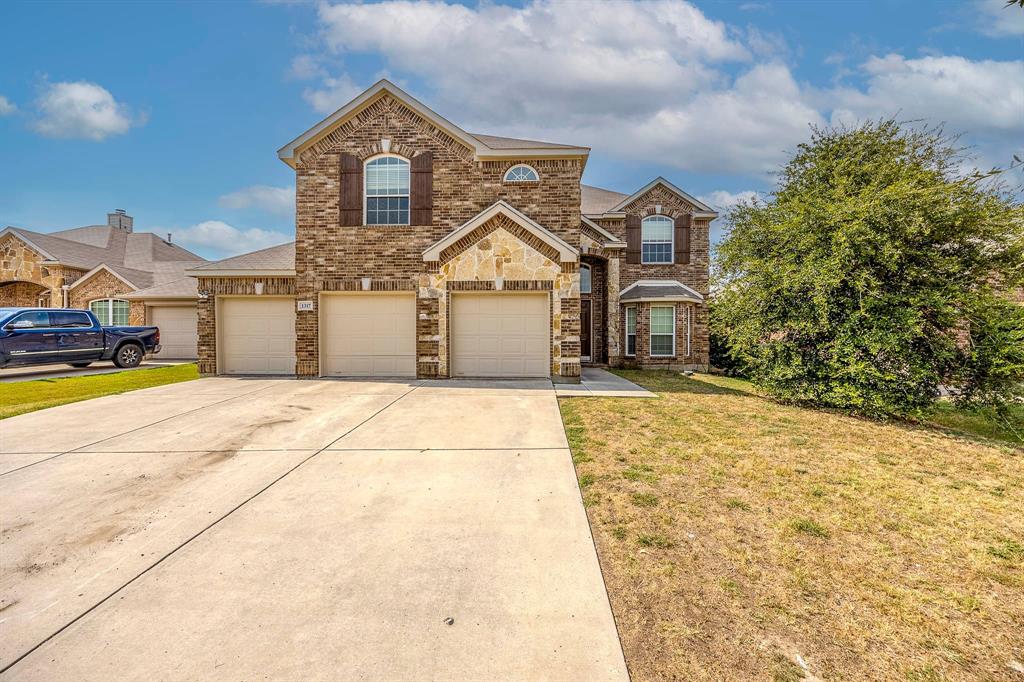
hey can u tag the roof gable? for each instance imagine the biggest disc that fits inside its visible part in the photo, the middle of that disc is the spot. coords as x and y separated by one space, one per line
482 146
704 210
566 252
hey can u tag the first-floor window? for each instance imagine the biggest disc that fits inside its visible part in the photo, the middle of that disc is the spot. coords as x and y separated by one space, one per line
110 311
630 331
663 330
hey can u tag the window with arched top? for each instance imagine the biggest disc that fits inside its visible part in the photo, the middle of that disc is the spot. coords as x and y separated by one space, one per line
585 279
387 190
111 312
656 239
521 173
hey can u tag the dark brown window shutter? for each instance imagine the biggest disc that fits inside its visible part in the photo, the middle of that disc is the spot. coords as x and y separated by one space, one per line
350 201
421 200
633 239
683 224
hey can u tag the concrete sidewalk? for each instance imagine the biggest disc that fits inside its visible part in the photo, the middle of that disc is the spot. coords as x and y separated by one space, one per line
601 383
301 530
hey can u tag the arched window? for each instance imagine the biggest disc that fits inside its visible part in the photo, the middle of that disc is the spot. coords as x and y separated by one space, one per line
585 279
110 311
656 237
387 191
521 173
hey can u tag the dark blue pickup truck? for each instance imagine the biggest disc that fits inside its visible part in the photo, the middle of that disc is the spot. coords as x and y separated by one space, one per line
42 336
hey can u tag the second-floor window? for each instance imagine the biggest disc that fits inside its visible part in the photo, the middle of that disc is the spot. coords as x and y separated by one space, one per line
521 173
387 191
656 233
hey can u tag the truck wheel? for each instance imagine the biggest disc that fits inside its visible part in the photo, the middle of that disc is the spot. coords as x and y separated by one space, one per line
79 365
128 355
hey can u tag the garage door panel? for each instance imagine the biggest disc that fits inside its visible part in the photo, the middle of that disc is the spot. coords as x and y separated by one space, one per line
501 335
256 335
368 335
179 334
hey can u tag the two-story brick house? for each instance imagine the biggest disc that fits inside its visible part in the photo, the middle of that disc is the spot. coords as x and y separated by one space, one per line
425 251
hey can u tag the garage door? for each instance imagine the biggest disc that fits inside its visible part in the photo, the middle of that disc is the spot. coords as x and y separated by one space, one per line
256 335
179 336
368 335
500 335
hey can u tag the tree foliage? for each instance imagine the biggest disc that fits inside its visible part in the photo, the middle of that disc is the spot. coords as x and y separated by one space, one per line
876 272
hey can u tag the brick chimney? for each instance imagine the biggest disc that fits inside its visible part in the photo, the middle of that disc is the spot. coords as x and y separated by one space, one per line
120 220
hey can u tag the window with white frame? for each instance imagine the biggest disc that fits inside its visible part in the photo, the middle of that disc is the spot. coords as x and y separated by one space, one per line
521 173
663 330
387 191
110 311
585 281
656 237
631 331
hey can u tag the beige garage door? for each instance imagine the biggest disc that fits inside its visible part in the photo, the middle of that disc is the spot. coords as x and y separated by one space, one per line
179 336
370 335
500 335
256 335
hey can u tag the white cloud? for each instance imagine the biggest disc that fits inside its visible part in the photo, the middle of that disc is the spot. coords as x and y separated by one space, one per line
277 200
722 200
334 93
6 106
998 20
677 88
81 110
222 240
975 96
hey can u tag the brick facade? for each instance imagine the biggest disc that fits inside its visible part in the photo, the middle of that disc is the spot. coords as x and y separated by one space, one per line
392 256
500 254
103 284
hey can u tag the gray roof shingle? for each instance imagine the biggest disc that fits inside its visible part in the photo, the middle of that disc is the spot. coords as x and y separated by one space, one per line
281 257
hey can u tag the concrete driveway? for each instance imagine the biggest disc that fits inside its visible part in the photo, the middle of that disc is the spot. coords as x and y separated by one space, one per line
276 529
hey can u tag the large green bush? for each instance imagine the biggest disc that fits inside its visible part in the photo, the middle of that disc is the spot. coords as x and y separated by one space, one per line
876 272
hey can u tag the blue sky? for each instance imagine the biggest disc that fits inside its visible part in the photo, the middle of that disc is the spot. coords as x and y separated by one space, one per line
174 111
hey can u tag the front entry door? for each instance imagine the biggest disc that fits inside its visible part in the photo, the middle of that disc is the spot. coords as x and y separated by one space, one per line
586 351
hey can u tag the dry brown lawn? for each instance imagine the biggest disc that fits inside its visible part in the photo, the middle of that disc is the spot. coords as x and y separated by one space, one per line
741 539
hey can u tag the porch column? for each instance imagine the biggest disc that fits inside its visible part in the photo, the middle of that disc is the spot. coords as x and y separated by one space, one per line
612 323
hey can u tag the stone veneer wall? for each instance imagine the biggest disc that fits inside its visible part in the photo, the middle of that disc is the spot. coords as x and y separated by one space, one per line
206 308
498 260
21 294
20 263
330 255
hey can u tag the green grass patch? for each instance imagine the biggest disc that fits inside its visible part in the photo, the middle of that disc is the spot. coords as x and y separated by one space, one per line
645 499
984 422
654 540
29 396
809 527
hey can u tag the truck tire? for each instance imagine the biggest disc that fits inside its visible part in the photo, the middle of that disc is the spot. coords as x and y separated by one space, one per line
129 355
79 365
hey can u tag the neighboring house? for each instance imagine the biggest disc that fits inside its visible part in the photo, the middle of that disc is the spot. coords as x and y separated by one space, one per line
123 276
423 250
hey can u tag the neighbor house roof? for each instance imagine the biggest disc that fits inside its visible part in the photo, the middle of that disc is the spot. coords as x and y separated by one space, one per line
659 290
275 260
483 146
141 259
186 287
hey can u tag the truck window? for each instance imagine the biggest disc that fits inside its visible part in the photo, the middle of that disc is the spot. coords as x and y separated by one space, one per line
64 320
31 320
